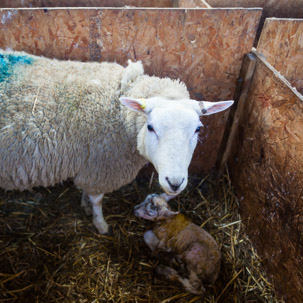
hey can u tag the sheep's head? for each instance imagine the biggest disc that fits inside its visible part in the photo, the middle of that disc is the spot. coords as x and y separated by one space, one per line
153 208
170 135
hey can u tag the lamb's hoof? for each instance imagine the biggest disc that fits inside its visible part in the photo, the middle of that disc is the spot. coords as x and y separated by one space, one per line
167 272
200 291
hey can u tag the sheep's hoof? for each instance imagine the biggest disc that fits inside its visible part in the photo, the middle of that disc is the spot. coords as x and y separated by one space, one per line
110 232
102 227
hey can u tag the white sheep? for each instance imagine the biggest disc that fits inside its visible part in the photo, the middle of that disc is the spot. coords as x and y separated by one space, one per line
190 247
64 120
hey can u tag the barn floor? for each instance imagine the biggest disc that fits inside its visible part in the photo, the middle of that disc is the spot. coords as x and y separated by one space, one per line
50 251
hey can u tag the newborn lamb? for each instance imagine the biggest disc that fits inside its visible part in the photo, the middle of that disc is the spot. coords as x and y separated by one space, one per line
187 244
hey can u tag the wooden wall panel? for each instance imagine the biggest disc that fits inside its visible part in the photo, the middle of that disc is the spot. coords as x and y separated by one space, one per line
84 3
267 171
271 8
191 3
281 42
103 3
203 47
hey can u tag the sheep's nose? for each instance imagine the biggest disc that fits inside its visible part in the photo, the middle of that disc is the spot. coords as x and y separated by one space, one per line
174 186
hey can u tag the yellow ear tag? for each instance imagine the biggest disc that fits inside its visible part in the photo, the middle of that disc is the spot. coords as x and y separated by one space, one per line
142 106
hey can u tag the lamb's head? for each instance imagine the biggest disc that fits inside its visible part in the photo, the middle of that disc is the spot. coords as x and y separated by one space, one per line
154 208
170 135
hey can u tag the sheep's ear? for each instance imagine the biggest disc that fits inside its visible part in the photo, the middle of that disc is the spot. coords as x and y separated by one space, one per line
138 105
209 108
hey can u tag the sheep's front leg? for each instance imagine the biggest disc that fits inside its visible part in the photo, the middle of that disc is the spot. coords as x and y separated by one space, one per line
98 219
86 204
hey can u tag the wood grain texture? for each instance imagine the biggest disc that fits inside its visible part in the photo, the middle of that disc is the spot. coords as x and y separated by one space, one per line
245 79
203 47
281 42
191 3
267 173
84 3
271 8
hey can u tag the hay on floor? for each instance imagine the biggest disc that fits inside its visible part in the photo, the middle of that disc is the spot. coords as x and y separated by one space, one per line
50 251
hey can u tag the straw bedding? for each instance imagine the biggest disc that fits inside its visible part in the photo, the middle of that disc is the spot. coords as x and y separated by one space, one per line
50 251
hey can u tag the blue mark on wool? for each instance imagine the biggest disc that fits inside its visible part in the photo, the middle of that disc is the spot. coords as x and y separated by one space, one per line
8 62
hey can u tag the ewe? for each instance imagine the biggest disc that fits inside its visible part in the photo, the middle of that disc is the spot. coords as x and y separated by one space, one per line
64 120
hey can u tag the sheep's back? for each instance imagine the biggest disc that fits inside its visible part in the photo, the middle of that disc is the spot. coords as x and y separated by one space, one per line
49 110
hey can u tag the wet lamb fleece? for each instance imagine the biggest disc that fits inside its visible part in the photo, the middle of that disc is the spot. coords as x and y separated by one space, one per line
190 247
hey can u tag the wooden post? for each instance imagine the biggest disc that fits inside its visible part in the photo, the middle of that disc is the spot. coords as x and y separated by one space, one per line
246 76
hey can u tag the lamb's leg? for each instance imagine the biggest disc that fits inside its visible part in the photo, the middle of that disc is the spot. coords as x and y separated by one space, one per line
151 240
98 219
172 275
86 204
196 283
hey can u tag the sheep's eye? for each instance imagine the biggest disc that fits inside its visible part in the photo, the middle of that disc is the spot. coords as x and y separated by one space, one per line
198 129
150 128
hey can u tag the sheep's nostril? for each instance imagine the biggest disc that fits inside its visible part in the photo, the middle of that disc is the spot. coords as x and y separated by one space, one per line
174 186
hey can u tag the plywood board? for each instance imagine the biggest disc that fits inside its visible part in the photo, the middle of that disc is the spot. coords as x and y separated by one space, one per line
236 113
84 3
281 42
267 172
191 3
271 8
202 47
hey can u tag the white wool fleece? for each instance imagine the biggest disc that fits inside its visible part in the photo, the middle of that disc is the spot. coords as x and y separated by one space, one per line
63 119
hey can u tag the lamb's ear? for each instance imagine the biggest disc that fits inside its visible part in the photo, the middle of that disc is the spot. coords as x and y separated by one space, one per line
138 105
167 213
209 108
